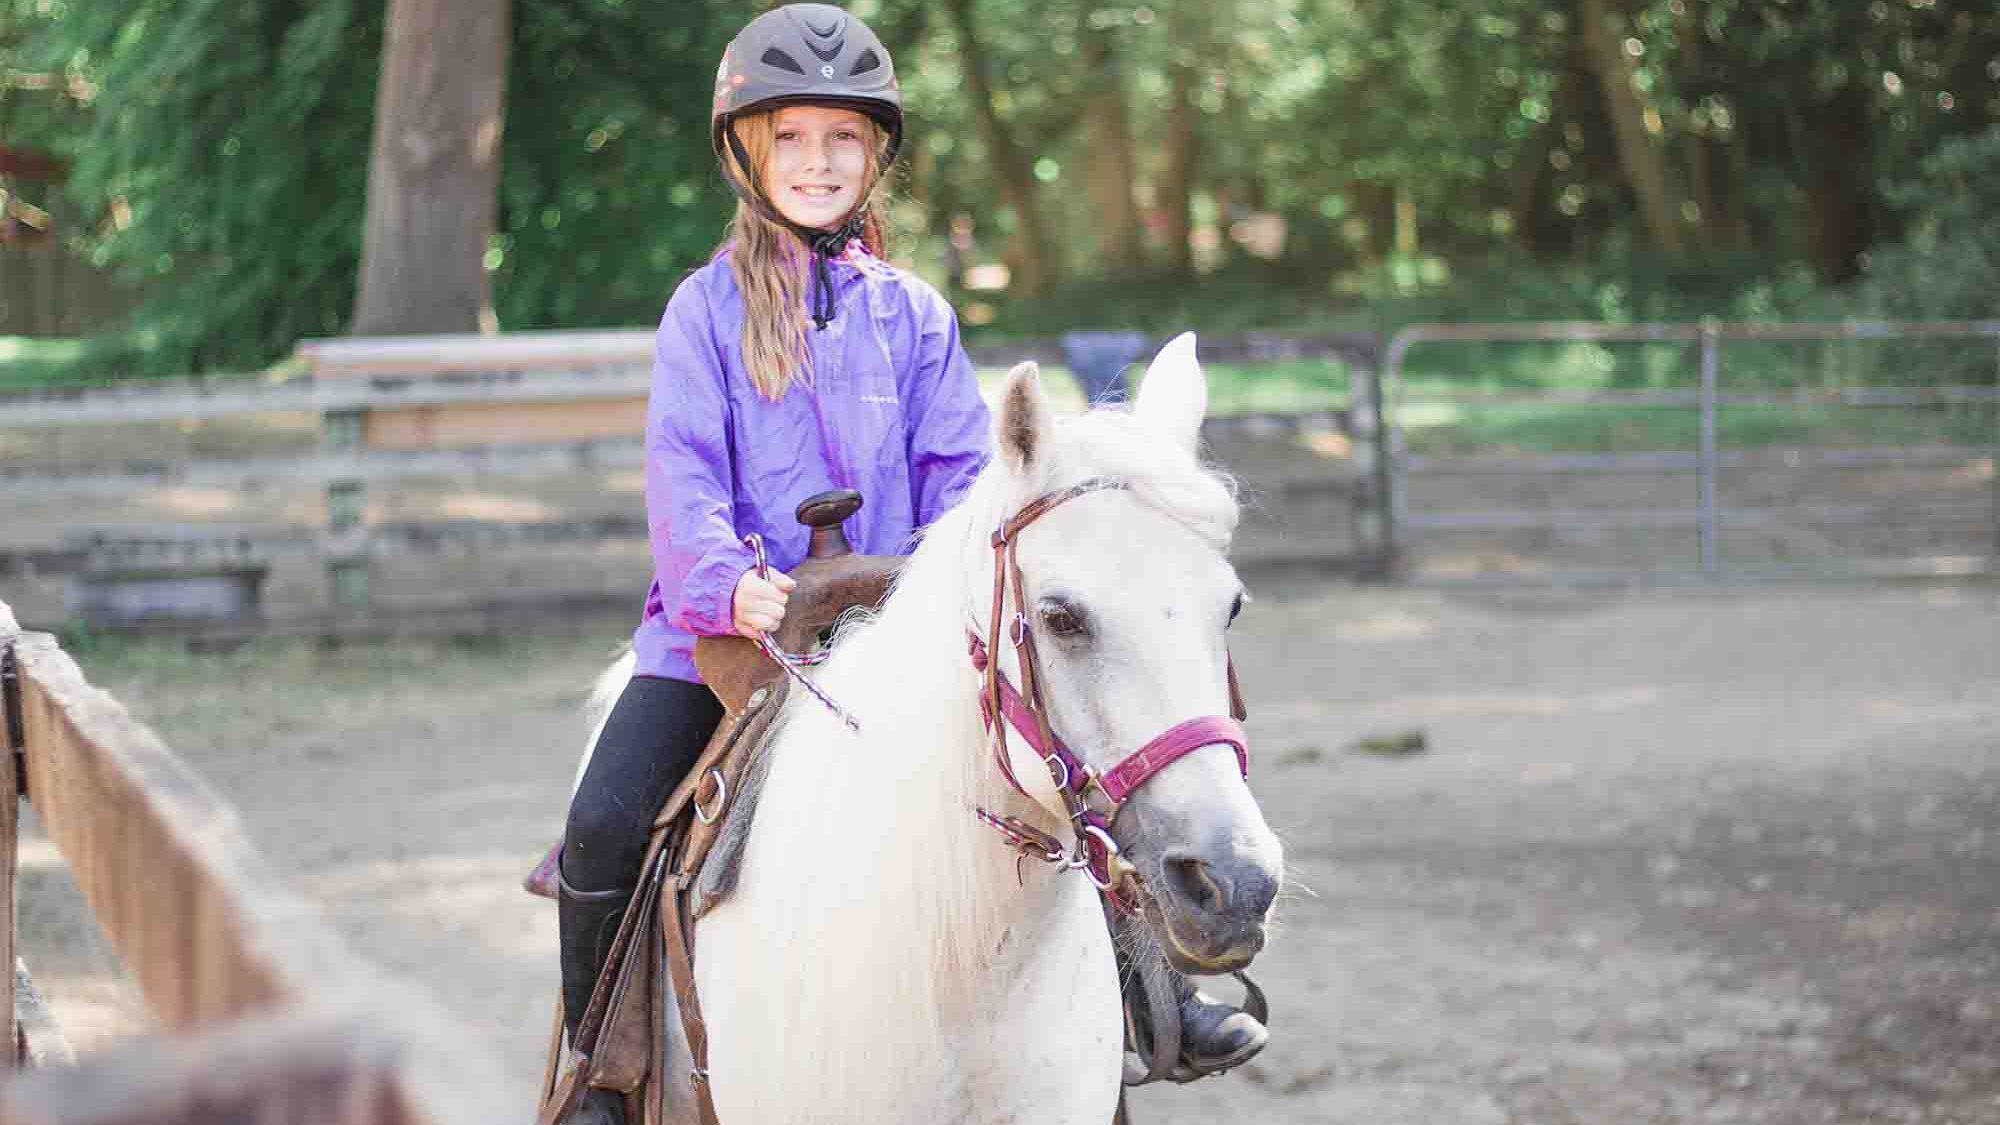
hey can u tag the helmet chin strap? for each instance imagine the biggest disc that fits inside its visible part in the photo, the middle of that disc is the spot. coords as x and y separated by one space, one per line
824 244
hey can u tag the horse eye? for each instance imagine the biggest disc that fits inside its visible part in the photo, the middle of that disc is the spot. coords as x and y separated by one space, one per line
1062 620
1235 608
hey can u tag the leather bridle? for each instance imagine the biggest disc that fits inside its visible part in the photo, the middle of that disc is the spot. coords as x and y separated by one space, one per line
1092 799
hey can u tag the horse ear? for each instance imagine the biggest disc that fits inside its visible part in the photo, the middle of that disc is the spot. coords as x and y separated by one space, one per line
1174 394
1021 427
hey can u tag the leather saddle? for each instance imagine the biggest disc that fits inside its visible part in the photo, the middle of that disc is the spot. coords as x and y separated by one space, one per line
831 581
696 847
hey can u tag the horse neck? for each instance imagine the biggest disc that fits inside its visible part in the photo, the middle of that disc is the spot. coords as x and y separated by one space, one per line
938 887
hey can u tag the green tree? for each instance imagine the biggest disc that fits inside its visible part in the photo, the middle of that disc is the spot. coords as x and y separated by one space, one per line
226 145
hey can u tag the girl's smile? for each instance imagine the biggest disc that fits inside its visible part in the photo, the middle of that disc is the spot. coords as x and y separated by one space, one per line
819 158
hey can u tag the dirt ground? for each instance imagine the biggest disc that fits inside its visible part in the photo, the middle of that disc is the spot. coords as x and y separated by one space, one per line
1666 856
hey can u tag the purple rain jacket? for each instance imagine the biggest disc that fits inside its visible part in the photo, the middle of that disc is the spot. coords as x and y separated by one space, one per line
893 411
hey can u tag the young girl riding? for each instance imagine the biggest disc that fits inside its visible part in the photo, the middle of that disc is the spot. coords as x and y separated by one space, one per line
795 362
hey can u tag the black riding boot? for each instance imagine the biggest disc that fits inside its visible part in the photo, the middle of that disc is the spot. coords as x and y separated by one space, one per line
587 921
1215 1036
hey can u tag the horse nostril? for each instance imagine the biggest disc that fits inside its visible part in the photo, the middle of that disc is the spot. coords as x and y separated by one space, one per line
1195 881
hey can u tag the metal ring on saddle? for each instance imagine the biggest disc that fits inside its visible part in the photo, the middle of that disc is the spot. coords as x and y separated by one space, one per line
721 799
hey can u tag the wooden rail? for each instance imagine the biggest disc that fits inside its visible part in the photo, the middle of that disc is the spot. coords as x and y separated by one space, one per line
393 407
276 1018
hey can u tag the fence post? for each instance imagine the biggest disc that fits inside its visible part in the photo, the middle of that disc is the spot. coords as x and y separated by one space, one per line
345 548
1374 521
12 742
1711 553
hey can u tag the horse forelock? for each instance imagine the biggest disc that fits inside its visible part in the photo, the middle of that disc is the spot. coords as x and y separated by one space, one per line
1112 443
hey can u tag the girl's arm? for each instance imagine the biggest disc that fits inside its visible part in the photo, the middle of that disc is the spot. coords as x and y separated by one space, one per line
690 480
948 430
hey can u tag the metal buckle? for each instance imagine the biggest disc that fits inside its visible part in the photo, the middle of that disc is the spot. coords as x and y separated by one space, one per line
1063 784
1017 629
1111 854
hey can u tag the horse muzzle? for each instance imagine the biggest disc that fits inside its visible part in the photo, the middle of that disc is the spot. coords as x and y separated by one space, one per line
1212 904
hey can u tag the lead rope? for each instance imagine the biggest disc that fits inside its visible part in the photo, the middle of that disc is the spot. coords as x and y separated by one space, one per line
795 664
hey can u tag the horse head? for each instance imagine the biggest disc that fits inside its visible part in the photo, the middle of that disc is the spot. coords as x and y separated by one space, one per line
1118 596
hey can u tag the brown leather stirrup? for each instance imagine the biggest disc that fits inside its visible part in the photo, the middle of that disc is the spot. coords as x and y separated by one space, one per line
611 981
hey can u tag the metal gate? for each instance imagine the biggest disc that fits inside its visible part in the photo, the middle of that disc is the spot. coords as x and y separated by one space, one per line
1950 516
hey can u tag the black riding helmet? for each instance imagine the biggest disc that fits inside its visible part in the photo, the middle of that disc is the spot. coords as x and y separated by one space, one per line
804 54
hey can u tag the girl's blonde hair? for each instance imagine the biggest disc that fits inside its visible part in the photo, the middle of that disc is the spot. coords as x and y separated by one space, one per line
772 265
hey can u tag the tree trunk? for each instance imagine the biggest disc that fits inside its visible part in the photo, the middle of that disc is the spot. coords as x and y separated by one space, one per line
434 170
1108 138
1524 199
1839 221
1644 162
1374 202
1177 179
1034 259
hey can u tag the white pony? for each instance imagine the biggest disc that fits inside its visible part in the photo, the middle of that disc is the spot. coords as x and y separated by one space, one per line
880 960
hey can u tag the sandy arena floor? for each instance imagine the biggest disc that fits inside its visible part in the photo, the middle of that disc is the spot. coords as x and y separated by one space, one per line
1671 856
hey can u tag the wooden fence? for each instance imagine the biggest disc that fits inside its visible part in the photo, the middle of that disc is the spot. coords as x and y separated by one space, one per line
520 403
268 1015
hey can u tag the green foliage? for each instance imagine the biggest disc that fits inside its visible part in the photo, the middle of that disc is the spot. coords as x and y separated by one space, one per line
1428 159
609 192
227 148
1243 296
1947 265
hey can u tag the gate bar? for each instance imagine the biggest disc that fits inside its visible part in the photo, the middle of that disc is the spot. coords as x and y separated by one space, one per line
1707 334
1711 549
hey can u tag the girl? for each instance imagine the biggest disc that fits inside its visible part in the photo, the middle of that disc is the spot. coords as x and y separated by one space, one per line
794 362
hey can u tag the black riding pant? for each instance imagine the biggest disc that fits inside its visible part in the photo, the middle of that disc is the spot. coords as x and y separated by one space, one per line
655 732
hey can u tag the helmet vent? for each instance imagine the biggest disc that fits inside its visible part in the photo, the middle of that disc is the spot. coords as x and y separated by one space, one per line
781 60
868 61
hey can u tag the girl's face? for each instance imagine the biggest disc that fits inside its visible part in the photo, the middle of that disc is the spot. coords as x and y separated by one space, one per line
819 160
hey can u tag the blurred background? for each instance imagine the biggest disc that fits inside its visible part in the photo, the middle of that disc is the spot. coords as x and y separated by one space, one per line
325 330
186 182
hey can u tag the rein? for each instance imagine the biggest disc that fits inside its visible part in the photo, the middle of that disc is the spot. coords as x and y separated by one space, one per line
1093 799
795 663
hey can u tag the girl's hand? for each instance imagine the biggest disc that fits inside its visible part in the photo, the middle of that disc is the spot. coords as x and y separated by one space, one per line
759 603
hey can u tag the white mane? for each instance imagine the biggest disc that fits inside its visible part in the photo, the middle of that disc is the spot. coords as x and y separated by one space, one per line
936 878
